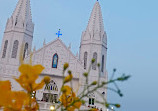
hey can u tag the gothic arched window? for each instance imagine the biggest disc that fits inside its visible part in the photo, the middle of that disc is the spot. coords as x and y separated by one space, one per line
51 86
25 50
85 60
91 98
5 49
15 49
50 92
94 65
102 67
55 61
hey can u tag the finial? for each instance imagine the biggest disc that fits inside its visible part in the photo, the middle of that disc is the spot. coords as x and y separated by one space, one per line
69 46
44 42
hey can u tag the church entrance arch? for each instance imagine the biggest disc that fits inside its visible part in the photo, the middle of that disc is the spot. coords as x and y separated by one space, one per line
50 93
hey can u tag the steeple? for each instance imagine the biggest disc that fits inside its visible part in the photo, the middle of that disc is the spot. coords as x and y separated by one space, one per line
96 22
94 39
18 35
94 45
21 18
23 10
95 28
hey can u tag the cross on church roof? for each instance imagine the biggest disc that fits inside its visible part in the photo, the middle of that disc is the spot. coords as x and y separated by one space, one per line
58 33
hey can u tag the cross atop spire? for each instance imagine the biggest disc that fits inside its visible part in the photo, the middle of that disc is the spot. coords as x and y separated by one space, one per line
23 11
59 34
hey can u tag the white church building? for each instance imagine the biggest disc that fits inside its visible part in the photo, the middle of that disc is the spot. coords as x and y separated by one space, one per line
19 33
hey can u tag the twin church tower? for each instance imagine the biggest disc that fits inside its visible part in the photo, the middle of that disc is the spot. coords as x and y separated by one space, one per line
18 33
18 37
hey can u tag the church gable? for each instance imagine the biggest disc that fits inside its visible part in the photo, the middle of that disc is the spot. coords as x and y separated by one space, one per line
53 56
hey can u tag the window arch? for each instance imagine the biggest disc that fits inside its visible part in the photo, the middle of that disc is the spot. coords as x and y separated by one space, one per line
25 50
51 86
85 60
50 93
91 98
15 48
102 67
55 61
5 49
94 65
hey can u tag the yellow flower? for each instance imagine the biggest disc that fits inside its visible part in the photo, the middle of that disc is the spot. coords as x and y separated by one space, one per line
29 69
63 100
68 97
38 86
66 90
78 103
5 85
46 79
68 78
28 76
67 100
34 105
20 100
71 108
11 100
5 88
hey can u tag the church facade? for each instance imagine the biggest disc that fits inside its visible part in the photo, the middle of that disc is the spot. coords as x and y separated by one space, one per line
18 37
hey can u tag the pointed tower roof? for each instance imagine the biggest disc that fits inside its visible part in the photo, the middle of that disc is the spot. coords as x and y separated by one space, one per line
23 10
96 22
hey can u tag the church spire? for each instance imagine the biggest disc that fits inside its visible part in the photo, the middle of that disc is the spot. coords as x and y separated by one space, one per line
96 22
21 18
23 11
18 33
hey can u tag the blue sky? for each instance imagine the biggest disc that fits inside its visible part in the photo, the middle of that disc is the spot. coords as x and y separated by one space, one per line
132 30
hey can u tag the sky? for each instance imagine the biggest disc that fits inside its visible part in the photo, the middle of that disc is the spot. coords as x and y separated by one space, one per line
132 31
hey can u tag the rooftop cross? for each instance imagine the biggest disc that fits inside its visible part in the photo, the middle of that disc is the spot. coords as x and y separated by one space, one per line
58 33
